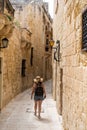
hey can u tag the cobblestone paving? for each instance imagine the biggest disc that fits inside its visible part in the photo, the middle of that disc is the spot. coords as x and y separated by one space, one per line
19 113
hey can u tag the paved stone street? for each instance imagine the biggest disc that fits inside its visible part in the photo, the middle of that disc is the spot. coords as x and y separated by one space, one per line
19 113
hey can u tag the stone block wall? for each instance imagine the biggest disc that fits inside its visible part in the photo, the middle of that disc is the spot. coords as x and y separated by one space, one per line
11 68
33 20
68 29
12 82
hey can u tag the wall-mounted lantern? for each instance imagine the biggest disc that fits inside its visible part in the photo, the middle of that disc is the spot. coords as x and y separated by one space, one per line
51 42
4 43
57 49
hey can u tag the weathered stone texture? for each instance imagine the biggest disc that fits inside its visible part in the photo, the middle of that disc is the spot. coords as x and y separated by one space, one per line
11 64
11 68
18 63
34 21
68 29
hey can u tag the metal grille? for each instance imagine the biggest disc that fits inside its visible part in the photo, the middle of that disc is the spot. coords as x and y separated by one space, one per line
84 30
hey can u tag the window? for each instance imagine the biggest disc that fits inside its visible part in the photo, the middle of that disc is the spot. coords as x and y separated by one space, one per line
23 67
0 65
84 30
47 45
44 20
46 27
31 58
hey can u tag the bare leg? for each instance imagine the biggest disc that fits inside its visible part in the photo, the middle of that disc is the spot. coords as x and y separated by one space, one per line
39 107
35 107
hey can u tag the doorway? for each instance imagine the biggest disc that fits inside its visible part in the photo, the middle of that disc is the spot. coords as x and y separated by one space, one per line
61 90
0 83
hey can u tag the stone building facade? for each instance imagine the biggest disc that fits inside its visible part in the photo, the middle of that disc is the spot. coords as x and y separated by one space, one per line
39 22
15 74
70 72
28 53
6 29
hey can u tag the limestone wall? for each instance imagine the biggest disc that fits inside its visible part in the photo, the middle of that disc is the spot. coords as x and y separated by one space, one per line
68 29
11 80
11 68
27 39
33 20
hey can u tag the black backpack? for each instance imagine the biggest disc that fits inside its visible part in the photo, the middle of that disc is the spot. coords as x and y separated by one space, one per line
39 89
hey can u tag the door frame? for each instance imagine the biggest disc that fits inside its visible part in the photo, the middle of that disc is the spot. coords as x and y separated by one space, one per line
1 82
61 90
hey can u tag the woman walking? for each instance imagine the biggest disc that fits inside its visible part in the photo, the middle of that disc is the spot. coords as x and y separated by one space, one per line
39 92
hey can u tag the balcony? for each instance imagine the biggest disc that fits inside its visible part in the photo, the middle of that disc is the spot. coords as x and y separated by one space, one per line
48 30
25 38
6 26
6 7
6 18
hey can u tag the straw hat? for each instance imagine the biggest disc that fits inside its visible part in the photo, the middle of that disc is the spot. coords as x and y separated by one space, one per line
38 79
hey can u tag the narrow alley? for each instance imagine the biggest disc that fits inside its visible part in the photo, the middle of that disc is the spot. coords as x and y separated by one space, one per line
19 113
52 45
